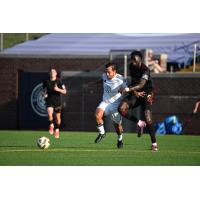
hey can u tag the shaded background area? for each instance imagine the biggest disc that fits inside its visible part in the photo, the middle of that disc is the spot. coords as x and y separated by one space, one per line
26 65
174 95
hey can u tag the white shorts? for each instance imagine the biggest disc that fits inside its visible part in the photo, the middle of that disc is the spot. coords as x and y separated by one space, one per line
112 110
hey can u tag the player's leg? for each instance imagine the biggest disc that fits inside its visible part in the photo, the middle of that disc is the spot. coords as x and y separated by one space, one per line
99 114
150 128
117 122
57 122
125 109
142 116
57 125
50 118
119 131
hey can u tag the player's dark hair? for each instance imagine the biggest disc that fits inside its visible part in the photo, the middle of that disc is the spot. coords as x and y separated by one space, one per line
53 67
113 65
136 53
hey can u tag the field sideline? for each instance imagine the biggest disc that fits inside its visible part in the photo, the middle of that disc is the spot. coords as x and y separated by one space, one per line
18 148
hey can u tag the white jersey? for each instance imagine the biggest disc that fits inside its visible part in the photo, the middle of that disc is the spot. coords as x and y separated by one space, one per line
111 88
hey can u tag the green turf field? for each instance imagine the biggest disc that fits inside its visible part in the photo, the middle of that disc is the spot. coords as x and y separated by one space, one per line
18 148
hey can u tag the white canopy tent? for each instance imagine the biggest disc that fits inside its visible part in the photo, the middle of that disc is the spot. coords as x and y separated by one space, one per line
178 46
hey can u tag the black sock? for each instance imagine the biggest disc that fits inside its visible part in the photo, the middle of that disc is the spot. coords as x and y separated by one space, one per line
50 122
120 136
57 126
152 134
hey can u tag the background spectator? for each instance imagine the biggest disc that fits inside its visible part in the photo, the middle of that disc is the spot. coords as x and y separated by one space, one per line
153 64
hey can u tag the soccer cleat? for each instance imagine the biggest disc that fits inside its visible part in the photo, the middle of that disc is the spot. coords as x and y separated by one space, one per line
141 125
57 133
51 129
154 147
100 137
119 144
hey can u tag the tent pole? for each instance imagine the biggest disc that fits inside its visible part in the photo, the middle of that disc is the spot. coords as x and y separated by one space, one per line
125 66
110 56
1 42
27 36
194 57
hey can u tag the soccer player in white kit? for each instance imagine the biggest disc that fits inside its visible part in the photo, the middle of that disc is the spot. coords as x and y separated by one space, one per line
112 84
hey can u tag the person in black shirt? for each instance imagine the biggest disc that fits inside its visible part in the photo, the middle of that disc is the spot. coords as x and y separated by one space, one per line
140 93
53 88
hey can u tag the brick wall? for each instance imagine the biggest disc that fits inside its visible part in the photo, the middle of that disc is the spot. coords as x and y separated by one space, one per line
174 94
9 68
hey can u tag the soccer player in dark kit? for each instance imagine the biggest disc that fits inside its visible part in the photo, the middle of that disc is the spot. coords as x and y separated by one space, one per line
53 88
140 93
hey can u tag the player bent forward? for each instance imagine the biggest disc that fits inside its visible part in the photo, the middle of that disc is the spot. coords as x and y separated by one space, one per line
53 88
112 83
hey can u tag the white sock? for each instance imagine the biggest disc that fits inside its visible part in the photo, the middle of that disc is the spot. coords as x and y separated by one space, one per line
101 129
120 137
154 144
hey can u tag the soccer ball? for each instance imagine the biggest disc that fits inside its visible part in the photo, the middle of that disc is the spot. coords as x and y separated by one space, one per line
43 142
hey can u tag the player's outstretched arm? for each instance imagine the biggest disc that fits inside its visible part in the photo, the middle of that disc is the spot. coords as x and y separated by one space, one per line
139 86
134 88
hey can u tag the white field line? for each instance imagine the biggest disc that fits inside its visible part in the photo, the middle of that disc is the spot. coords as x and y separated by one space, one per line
92 150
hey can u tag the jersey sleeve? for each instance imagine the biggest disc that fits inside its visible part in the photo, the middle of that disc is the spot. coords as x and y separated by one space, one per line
63 86
124 84
146 74
103 77
60 84
122 80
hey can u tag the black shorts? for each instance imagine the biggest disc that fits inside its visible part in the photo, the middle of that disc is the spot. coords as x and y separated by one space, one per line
134 101
57 109
55 104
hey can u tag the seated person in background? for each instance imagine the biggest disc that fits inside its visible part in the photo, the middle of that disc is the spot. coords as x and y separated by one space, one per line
153 64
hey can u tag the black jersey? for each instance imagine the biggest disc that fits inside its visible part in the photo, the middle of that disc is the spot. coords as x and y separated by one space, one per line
141 73
54 97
